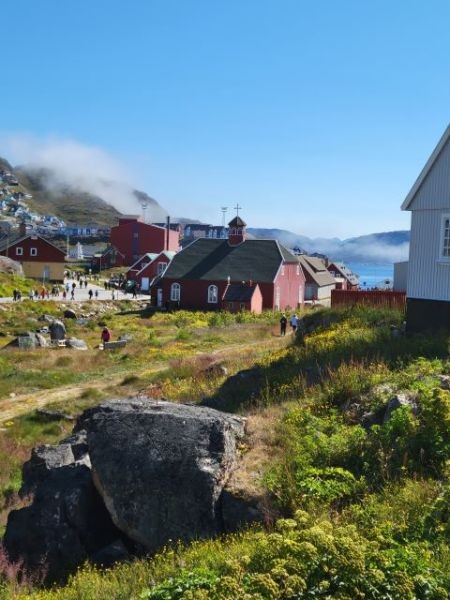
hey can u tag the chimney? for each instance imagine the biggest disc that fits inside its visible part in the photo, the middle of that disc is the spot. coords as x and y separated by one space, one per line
167 232
22 229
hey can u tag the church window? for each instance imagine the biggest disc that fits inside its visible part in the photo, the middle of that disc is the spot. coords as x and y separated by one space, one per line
213 294
175 292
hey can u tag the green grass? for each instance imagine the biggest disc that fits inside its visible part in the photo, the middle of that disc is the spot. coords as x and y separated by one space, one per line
364 511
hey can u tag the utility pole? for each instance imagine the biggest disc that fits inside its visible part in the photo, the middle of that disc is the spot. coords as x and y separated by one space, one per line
224 212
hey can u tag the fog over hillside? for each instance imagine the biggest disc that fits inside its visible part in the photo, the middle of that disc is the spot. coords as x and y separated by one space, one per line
386 247
64 167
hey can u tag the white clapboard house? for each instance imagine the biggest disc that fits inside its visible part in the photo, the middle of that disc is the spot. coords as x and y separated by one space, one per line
428 273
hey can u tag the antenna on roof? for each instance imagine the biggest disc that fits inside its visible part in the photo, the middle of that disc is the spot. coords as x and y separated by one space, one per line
144 205
224 212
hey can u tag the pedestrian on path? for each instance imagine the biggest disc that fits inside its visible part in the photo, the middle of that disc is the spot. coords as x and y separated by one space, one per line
294 323
283 323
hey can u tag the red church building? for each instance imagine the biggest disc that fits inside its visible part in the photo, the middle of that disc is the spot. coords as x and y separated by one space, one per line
133 238
233 273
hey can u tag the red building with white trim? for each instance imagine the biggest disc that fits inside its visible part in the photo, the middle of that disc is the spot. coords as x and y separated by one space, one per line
40 259
153 266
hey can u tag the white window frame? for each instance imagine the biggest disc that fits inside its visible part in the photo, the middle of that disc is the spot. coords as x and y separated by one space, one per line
33 251
175 292
444 257
160 268
19 251
213 294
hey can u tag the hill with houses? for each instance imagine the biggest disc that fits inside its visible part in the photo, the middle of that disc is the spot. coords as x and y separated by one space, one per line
31 190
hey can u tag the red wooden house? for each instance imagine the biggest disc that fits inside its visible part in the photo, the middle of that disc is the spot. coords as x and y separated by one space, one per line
40 259
110 257
150 269
200 275
141 262
134 238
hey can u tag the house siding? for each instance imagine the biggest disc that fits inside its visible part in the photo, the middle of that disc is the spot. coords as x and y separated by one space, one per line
428 277
434 193
134 238
292 287
193 294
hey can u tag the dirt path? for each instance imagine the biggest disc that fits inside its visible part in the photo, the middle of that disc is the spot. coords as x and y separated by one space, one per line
21 404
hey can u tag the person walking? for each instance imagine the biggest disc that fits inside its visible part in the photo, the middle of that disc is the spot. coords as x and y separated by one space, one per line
294 323
90 293
96 294
72 294
31 295
283 323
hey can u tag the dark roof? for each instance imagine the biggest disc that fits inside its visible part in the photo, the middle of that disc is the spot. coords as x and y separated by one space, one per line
237 222
345 272
237 292
215 260
315 271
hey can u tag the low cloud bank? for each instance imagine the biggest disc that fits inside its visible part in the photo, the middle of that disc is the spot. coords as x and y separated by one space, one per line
68 163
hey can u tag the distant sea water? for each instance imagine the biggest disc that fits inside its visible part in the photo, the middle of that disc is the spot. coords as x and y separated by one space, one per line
373 275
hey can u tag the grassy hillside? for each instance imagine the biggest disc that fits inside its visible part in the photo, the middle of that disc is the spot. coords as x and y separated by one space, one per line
68 203
73 206
364 509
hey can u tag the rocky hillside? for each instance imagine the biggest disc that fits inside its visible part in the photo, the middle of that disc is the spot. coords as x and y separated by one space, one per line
72 204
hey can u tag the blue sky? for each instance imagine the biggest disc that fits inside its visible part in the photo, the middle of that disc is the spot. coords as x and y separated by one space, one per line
314 116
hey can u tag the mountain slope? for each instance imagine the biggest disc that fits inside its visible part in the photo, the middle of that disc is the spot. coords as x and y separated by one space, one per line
79 204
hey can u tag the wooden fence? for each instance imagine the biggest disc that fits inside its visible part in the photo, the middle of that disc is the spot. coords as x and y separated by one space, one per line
383 298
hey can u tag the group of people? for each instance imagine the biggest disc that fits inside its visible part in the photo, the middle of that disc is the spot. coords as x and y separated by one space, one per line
294 322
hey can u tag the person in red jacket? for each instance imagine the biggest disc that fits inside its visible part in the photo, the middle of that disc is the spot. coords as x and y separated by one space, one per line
106 335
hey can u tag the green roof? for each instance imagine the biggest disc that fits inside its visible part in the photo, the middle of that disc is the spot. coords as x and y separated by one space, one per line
216 260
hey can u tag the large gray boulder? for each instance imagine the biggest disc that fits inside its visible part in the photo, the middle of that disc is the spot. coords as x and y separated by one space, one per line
66 523
135 475
161 467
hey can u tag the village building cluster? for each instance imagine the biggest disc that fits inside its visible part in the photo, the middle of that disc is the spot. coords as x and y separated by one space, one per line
220 269
182 265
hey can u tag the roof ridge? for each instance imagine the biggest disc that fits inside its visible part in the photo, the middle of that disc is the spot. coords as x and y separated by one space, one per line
426 169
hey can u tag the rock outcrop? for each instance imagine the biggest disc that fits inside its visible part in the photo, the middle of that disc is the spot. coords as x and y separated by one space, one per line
7 265
135 475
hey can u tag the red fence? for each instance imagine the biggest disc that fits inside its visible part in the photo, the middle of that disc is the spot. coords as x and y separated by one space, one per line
384 298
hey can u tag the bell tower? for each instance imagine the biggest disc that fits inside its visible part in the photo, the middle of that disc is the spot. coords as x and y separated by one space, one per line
236 229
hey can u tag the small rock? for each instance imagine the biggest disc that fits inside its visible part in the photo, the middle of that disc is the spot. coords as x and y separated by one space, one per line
406 398
46 318
444 381
70 314
76 344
